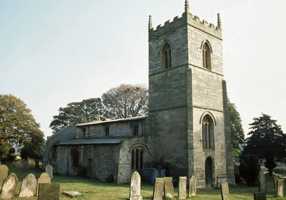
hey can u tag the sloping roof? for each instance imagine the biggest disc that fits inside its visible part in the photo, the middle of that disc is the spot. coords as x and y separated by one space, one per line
91 141
112 121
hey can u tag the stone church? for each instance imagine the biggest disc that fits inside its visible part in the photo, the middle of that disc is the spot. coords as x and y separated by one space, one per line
184 132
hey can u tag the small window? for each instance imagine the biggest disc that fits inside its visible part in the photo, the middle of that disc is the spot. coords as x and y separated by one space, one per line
106 130
136 130
206 55
166 56
85 131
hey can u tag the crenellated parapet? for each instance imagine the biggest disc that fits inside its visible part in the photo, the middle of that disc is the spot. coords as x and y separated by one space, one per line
191 20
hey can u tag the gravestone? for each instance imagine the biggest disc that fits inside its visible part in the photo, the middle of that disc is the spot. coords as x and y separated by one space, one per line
49 191
29 186
135 187
4 170
158 192
192 186
224 189
182 187
168 188
50 170
44 178
280 187
259 196
9 187
262 179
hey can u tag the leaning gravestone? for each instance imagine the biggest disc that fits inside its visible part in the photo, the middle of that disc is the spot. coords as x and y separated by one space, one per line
44 178
135 187
29 186
4 170
280 187
158 192
168 188
49 170
182 187
9 187
192 186
224 189
49 191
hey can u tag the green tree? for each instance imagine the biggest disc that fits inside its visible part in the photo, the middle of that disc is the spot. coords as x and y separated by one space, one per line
266 141
126 101
17 125
78 112
235 128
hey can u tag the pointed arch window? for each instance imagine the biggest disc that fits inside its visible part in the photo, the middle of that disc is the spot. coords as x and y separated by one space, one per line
207 57
166 56
208 132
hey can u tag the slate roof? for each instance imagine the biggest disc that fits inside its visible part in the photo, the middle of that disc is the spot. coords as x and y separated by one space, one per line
111 121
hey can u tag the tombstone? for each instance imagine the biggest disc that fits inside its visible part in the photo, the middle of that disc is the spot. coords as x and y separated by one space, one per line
135 187
182 188
192 186
280 187
4 170
29 186
259 196
158 192
49 170
224 189
49 191
9 187
168 188
262 179
44 178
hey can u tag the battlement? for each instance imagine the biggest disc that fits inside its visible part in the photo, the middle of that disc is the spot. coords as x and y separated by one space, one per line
189 19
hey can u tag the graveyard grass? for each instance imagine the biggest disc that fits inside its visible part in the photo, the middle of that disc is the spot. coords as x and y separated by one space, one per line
92 190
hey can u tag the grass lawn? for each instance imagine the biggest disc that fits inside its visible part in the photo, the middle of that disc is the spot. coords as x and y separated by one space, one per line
92 190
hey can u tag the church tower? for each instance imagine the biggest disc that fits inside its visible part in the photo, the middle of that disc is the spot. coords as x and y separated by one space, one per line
187 100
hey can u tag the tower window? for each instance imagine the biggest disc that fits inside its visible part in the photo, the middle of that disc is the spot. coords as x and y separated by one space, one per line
207 55
208 132
166 56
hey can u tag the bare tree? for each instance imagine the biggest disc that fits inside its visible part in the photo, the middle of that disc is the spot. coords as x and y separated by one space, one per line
126 101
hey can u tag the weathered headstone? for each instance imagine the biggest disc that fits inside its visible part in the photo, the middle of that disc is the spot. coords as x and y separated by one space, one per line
262 179
72 194
224 189
4 170
49 191
158 192
192 186
259 196
50 171
182 188
135 186
280 187
168 188
9 187
29 186
44 178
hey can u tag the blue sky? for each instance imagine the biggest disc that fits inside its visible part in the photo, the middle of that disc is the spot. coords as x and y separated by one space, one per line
58 51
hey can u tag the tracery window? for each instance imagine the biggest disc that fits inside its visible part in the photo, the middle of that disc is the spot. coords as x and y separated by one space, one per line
137 159
208 132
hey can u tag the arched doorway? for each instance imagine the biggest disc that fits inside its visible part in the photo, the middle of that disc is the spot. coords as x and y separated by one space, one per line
209 172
